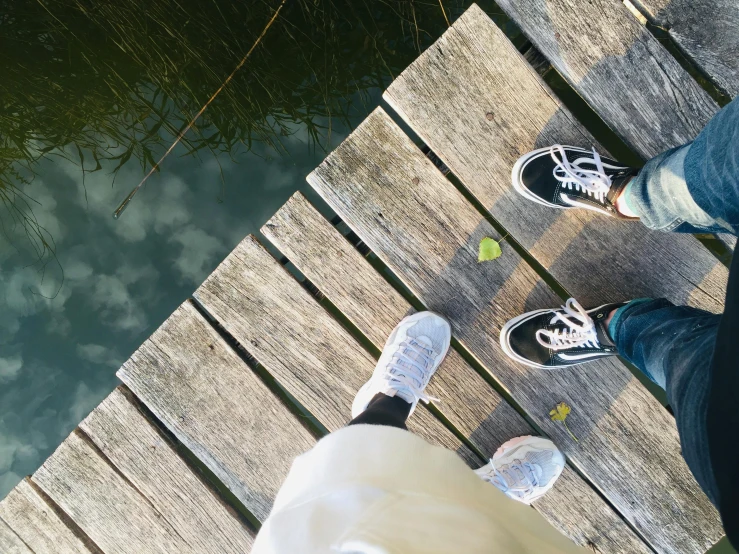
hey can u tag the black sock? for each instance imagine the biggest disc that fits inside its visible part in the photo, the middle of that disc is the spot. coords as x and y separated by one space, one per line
391 411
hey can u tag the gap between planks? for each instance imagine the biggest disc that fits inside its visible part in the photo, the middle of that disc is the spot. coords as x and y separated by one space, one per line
41 524
705 32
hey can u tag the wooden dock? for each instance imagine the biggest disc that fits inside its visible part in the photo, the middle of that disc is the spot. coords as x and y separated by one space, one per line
187 455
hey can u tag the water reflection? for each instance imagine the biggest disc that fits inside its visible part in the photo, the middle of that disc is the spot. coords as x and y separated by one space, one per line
92 94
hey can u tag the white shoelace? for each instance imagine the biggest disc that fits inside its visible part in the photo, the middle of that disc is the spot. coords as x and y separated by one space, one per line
594 182
580 332
518 477
409 367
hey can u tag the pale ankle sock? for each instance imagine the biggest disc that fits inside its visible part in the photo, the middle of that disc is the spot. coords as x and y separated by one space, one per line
622 206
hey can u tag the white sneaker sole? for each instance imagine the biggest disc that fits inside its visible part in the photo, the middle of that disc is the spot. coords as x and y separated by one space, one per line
507 445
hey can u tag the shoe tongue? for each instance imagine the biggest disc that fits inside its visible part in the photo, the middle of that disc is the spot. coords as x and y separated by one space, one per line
521 474
401 392
403 368
561 324
405 395
424 342
538 471
566 329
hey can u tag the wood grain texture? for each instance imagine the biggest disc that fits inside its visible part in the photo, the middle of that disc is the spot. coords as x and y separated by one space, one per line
36 522
213 403
10 543
107 508
619 68
474 70
393 197
367 299
706 31
347 279
147 460
297 341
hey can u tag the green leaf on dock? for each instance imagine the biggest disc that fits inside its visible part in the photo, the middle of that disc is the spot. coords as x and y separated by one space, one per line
489 250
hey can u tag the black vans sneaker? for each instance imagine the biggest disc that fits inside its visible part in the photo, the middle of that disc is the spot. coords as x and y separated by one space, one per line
571 177
562 337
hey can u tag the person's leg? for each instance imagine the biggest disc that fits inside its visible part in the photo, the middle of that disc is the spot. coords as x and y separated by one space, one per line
673 346
391 411
524 468
692 188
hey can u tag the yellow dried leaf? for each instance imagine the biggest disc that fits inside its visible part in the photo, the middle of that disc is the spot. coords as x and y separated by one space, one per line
560 413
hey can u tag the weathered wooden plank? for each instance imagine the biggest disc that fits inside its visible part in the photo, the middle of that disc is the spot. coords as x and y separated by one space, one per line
192 380
393 197
297 341
149 462
425 425
107 508
706 31
38 524
486 419
446 96
619 68
375 307
10 543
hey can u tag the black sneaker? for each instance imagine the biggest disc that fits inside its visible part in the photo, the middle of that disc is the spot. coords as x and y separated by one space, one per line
561 337
571 177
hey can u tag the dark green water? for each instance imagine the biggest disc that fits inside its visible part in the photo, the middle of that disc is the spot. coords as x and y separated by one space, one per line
107 86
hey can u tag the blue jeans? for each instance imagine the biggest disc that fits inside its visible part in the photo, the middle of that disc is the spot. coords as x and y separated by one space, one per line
689 189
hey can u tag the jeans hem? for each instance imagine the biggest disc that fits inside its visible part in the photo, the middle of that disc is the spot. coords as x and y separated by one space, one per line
627 196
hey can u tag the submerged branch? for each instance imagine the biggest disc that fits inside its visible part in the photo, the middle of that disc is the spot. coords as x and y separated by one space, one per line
182 133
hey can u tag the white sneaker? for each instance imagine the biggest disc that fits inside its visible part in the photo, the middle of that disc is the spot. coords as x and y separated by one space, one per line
410 357
524 468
